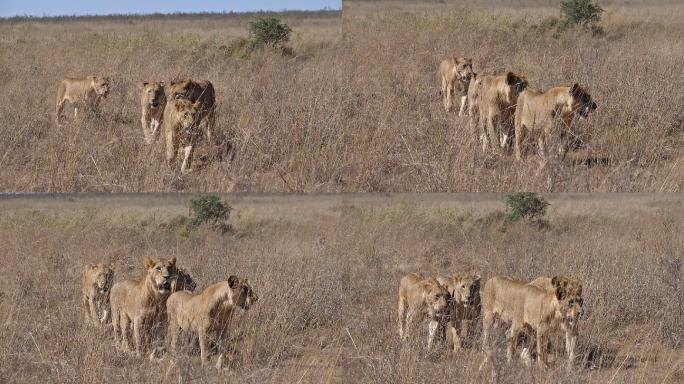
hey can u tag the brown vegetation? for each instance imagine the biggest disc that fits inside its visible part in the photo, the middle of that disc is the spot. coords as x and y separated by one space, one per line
327 271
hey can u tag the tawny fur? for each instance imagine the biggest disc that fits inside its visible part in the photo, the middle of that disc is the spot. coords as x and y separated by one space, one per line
182 131
421 298
81 92
455 74
548 116
152 103
209 313
464 307
97 282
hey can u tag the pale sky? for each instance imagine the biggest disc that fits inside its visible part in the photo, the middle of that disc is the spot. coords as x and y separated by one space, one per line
9 8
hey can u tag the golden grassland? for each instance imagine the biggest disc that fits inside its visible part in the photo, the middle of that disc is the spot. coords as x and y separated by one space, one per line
632 68
326 269
269 105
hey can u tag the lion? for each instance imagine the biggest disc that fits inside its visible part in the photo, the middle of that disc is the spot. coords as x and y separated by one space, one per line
153 102
524 305
549 115
201 92
424 297
183 281
465 304
496 97
209 313
182 131
97 281
142 303
82 92
455 74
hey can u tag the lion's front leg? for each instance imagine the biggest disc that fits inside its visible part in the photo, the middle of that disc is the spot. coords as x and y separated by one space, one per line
187 159
138 336
432 332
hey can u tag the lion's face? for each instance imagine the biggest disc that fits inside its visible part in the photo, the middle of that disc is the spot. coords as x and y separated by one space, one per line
187 111
182 281
100 85
467 290
436 298
161 273
181 89
102 277
582 102
154 93
569 295
515 84
243 294
464 69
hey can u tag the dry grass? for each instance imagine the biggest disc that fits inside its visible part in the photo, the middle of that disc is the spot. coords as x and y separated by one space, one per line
269 105
326 269
633 143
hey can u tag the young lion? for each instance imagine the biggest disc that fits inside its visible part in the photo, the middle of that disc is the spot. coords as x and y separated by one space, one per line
464 308
524 305
182 131
88 92
201 92
142 303
425 297
496 100
549 115
209 313
153 102
455 74
97 281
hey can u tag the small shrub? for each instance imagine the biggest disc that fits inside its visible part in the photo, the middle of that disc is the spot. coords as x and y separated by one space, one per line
210 210
268 31
527 205
580 12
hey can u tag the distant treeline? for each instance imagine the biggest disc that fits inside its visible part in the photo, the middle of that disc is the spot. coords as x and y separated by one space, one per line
323 13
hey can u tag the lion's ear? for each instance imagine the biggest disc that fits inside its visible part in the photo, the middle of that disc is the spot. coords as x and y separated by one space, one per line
161 83
172 261
477 278
149 263
233 282
574 89
173 82
144 83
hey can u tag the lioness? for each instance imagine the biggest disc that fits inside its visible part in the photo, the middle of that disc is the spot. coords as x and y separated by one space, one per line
425 297
526 305
549 115
465 304
97 281
87 92
209 313
201 92
455 74
497 96
153 102
142 303
568 327
182 130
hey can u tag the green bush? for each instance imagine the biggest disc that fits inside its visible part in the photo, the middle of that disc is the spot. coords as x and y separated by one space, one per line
268 31
580 12
210 210
527 205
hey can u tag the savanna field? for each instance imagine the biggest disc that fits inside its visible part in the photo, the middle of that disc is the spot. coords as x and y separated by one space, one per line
326 269
353 106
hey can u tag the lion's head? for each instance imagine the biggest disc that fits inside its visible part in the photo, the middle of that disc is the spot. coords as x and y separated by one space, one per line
153 93
514 85
464 68
243 295
186 113
100 85
161 273
466 289
437 297
569 294
181 89
182 281
102 277
582 102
